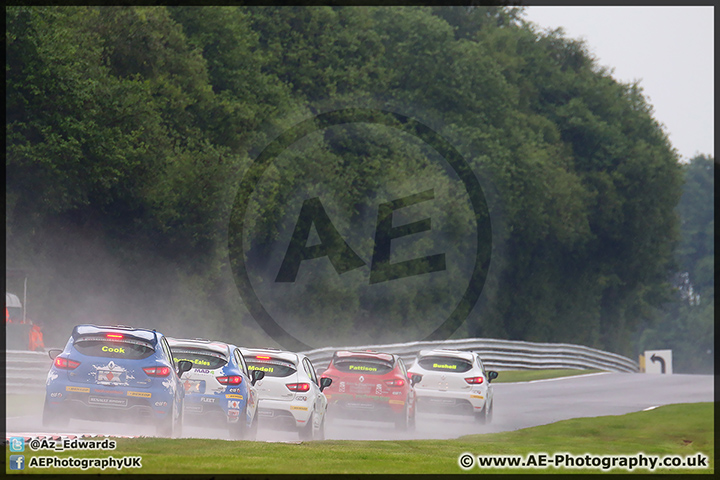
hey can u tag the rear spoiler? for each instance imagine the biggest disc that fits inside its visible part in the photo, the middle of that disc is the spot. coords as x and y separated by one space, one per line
137 334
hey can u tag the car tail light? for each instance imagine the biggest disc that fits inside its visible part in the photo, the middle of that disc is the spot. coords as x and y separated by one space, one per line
115 336
262 357
157 371
398 382
230 380
65 363
474 380
298 387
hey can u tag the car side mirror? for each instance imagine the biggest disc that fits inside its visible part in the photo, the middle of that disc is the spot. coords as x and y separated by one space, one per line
257 375
492 375
183 366
54 352
325 382
415 378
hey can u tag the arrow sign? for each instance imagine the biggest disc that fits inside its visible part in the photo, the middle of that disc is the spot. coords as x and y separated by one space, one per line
655 358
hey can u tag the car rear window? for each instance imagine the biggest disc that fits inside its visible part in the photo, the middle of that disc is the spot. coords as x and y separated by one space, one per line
445 364
207 359
372 366
273 367
127 348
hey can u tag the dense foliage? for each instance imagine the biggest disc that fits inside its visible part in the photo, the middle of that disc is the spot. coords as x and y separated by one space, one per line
129 128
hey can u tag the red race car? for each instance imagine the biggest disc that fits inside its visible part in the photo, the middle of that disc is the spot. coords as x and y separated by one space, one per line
372 386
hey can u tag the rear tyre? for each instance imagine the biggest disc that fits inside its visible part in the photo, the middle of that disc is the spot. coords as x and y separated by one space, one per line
58 418
320 434
166 426
306 432
180 421
239 429
482 416
253 430
403 421
411 421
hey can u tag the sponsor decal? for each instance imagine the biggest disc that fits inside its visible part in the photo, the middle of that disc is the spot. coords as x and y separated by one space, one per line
378 389
442 365
476 396
363 368
108 392
56 395
301 398
234 390
239 397
105 348
233 404
262 369
78 389
233 413
139 394
161 404
118 402
197 361
202 370
397 402
294 407
207 399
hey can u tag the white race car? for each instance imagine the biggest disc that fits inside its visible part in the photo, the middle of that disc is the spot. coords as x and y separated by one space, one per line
290 393
454 381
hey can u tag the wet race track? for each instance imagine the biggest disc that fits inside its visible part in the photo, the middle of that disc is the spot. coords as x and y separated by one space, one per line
517 405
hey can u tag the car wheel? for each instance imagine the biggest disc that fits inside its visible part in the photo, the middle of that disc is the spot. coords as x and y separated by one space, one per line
166 426
411 421
320 435
253 430
403 420
481 417
239 429
306 431
59 418
180 420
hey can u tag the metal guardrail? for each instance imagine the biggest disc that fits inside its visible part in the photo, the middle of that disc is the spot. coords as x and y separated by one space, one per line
26 371
500 354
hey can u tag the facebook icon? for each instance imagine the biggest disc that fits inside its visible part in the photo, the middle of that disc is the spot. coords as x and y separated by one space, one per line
17 462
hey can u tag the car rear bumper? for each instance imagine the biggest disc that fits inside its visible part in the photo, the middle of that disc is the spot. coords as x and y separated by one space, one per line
439 401
120 404
381 408
283 413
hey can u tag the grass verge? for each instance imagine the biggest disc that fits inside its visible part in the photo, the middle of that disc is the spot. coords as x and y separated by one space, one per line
683 430
509 376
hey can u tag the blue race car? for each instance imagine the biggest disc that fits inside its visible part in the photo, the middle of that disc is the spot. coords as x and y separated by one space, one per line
117 374
219 389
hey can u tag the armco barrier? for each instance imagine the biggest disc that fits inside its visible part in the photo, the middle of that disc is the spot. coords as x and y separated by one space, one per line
27 371
500 354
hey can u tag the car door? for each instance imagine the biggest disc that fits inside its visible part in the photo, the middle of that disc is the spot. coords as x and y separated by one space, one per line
488 385
320 403
178 390
410 389
251 389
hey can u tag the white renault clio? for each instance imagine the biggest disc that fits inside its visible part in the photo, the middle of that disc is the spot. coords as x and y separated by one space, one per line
290 393
454 381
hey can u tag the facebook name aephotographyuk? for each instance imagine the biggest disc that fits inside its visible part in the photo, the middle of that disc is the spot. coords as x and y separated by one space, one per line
466 461
17 462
